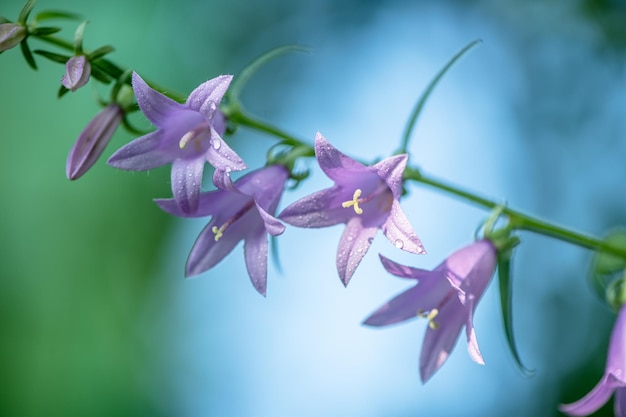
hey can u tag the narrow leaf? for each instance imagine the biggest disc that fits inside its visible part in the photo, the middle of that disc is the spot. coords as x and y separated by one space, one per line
504 283
55 14
62 91
100 52
28 56
25 12
429 89
252 67
108 67
275 254
61 59
43 31
100 75
78 38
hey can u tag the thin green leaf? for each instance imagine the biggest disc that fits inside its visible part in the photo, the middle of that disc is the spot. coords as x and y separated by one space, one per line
62 91
100 75
78 38
55 14
61 59
28 56
504 283
4 20
429 89
25 12
252 67
100 52
275 255
43 31
108 67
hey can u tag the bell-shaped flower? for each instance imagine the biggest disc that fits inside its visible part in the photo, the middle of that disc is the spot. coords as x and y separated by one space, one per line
188 135
11 34
92 141
447 296
613 380
77 72
241 211
365 198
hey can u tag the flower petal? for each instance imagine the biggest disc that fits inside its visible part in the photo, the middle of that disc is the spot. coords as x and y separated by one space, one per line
402 307
255 251
591 402
354 243
272 225
141 154
320 209
439 342
207 252
619 402
154 105
333 162
399 231
391 170
405 271
616 360
208 95
221 156
186 183
472 342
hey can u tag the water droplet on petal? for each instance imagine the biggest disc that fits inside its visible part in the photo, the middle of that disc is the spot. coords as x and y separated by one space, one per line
216 144
399 243
213 106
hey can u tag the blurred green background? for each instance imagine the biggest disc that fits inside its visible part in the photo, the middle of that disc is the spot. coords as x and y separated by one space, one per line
96 319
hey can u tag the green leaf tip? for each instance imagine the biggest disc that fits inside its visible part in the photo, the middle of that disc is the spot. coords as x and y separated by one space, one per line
426 94
504 283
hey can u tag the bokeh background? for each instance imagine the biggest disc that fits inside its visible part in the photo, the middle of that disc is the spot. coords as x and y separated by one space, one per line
96 318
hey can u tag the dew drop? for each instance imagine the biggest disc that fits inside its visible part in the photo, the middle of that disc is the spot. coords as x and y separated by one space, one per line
216 143
213 106
399 244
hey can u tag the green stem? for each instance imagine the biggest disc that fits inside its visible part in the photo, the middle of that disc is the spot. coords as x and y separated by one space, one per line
234 113
518 220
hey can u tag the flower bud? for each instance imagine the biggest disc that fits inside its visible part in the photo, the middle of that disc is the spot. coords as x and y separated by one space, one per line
11 34
92 141
77 72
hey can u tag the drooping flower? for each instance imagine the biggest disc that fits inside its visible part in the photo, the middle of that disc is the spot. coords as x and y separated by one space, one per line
613 380
187 136
365 198
241 211
447 296
11 34
92 141
77 72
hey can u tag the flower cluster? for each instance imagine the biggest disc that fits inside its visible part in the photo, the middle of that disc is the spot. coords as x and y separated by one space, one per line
193 131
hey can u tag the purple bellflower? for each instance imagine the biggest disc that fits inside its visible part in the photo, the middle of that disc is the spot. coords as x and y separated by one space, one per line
365 198
613 380
92 141
187 136
77 72
11 34
241 211
447 296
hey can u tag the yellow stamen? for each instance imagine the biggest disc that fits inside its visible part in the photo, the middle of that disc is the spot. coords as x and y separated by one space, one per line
354 202
430 316
218 232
